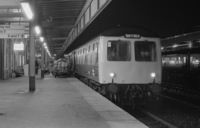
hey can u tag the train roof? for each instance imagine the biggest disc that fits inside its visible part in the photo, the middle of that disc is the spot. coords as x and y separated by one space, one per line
121 31
115 31
182 42
181 51
181 38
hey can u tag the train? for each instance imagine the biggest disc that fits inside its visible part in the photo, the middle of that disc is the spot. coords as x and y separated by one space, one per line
181 61
62 67
123 64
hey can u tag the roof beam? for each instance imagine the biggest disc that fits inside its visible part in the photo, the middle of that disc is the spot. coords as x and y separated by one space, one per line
58 25
13 20
58 38
9 15
10 2
57 1
57 17
56 47
10 7
59 10
180 38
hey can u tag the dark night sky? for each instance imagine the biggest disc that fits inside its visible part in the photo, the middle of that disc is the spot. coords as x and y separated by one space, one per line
164 17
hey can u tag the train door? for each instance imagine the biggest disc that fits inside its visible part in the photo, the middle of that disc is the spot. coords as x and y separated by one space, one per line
1 58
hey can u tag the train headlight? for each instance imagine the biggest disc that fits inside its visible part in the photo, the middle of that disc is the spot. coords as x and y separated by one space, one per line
112 74
153 75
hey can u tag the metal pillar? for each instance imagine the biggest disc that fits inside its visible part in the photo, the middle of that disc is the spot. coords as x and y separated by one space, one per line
42 62
32 52
46 59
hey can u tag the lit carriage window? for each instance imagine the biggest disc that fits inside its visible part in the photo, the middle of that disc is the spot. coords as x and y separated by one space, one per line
195 63
118 50
174 60
145 51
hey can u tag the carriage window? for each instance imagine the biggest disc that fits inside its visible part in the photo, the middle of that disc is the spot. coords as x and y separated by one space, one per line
93 47
89 48
96 51
145 51
174 60
195 63
118 50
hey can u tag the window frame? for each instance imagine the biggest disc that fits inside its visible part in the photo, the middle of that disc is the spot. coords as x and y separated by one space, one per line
119 58
136 55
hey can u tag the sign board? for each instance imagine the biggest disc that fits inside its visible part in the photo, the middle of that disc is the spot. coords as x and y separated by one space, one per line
19 47
10 2
12 36
12 27
12 31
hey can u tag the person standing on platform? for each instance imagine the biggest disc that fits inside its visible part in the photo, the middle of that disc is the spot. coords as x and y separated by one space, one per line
36 67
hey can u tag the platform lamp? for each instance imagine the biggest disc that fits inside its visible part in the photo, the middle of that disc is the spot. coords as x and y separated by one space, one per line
27 9
37 30
41 39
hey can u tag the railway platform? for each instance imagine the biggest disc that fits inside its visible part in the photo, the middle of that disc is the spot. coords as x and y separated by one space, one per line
58 103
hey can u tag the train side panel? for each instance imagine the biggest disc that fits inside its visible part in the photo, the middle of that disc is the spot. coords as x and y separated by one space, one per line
86 60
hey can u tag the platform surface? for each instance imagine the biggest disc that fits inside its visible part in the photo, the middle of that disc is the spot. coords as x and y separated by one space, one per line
58 103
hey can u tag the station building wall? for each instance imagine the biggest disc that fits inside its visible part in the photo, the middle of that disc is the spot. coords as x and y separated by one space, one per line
11 60
1 58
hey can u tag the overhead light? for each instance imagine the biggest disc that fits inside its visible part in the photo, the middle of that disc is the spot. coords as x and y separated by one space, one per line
27 9
41 39
45 44
37 30
175 45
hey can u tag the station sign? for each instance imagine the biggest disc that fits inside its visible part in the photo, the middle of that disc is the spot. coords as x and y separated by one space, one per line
12 36
18 47
12 27
12 31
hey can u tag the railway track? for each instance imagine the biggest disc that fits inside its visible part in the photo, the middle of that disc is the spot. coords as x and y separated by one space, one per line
147 117
156 118
190 96
167 113
182 91
170 114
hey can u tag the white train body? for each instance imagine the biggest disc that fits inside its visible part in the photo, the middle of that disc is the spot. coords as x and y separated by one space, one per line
126 72
120 63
